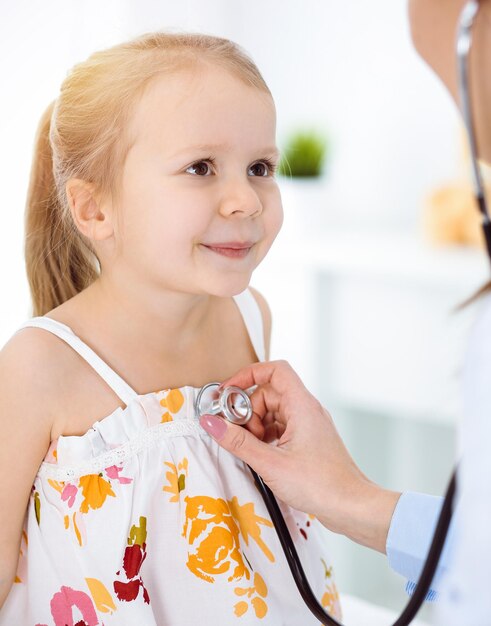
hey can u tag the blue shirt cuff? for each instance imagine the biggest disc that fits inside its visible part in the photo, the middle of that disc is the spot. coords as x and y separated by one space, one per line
411 530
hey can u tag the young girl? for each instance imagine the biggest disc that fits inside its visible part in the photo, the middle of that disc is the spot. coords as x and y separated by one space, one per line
152 200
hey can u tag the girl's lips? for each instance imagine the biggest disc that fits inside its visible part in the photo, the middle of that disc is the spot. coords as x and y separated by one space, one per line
232 253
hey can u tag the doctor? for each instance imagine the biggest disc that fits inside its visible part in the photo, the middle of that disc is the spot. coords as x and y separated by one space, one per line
311 469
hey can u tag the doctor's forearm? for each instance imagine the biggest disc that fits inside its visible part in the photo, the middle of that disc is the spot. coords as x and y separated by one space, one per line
366 515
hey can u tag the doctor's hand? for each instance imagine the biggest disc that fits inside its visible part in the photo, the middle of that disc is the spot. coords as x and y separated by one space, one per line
292 443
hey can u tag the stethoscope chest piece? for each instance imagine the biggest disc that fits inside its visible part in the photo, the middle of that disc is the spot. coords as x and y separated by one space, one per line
232 402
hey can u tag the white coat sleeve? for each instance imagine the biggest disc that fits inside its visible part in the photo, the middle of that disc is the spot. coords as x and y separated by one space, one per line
466 589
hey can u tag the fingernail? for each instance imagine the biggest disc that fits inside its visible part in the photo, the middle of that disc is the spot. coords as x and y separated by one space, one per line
213 425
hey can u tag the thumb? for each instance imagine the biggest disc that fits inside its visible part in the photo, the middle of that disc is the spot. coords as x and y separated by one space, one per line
241 442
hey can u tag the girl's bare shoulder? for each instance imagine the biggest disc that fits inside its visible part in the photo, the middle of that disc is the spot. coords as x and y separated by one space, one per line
30 366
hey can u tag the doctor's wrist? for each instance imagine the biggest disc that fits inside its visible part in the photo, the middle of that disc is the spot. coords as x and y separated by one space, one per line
367 515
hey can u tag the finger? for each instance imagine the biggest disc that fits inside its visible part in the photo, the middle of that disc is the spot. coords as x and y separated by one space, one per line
270 420
255 426
261 373
266 400
240 442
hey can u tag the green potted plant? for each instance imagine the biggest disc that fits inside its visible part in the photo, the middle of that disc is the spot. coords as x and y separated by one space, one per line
304 154
303 182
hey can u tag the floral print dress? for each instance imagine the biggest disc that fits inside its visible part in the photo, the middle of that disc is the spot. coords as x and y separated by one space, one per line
145 520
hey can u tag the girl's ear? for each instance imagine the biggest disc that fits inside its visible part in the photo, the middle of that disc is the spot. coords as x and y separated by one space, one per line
91 216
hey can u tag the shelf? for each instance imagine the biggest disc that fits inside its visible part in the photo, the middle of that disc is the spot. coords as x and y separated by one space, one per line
382 253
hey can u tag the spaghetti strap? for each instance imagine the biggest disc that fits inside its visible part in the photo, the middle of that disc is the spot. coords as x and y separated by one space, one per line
117 384
246 302
253 320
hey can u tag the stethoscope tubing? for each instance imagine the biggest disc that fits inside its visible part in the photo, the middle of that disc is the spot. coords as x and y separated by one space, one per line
422 586
463 45
218 405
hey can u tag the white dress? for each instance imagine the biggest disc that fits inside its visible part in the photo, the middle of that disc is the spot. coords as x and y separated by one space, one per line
145 520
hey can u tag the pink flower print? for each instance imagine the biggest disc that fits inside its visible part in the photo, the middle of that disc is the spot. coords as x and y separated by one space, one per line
64 600
69 493
113 472
51 454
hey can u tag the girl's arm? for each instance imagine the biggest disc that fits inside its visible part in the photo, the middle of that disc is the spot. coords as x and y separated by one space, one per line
25 425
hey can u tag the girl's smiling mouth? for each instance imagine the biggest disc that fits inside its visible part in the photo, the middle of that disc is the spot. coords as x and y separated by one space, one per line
233 250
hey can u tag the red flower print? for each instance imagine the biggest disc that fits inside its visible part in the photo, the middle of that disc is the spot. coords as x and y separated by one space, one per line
134 555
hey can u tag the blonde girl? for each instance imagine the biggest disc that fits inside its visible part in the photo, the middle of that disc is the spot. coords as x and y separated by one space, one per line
151 201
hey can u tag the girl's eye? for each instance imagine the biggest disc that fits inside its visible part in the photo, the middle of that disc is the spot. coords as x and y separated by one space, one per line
199 166
268 170
202 167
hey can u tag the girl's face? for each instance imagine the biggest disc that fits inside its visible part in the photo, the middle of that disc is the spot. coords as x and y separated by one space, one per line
197 175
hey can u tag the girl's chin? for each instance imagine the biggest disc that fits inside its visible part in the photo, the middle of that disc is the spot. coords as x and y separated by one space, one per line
233 288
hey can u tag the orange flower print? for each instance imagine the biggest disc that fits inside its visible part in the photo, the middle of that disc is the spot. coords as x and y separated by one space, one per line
95 491
213 537
177 479
330 598
173 402
249 524
78 525
91 492
259 605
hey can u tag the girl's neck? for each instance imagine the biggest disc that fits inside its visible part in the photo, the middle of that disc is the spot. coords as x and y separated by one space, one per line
171 323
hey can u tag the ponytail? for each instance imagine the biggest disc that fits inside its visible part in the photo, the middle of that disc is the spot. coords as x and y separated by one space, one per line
59 263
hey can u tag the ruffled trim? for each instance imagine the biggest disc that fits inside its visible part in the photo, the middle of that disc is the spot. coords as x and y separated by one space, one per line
120 434
122 452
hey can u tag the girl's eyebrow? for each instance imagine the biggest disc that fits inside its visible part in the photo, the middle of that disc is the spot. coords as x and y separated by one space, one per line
222 146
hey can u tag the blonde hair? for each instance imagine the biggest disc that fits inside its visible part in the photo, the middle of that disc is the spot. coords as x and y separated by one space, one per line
82 134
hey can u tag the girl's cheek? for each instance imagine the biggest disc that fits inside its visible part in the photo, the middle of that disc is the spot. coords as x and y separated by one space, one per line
277 220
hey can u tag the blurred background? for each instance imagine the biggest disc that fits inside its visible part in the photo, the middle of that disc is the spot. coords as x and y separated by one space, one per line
379 243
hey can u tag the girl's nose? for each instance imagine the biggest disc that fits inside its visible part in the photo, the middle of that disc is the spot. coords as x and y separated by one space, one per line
241 199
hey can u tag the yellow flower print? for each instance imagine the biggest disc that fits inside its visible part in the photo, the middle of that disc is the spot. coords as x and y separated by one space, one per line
177 481
21 573
249 524
173 401
37 507
101 596
95 491
78 526
213 534
259 605
56 484
327 570
330 598
330 601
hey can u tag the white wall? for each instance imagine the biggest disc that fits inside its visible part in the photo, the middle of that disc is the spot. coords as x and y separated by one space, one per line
347 67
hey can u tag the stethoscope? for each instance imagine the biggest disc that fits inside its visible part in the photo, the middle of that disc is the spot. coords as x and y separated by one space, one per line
234 403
